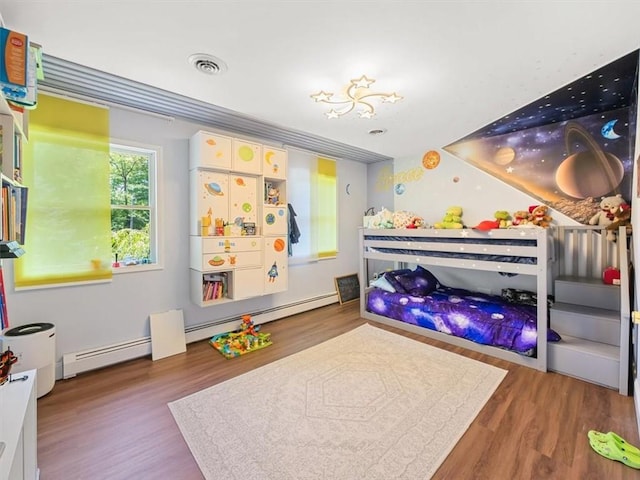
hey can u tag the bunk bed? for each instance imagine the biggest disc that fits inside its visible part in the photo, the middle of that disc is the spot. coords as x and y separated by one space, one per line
521 251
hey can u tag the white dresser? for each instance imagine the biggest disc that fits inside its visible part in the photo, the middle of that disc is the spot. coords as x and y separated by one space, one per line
18 432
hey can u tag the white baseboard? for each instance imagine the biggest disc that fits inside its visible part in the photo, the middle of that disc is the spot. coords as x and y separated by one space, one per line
78 362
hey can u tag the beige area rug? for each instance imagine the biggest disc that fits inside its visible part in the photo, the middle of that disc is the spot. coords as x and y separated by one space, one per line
368 404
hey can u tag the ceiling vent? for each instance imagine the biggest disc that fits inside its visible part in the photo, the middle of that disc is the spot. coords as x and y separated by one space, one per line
208 64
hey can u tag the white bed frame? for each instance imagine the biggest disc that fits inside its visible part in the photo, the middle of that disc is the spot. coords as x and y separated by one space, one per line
417 241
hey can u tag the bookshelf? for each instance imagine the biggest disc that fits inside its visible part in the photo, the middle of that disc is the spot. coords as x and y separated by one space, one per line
14 194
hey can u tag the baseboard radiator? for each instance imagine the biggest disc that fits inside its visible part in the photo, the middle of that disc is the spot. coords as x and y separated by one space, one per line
78 362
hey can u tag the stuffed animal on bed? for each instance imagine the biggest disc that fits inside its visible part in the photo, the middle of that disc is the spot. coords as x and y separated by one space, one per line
621 218
608 207
521 218
539 215
451 219
382 219
406 219
502 220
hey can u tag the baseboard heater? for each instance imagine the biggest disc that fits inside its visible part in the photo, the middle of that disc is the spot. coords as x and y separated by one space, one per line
78 362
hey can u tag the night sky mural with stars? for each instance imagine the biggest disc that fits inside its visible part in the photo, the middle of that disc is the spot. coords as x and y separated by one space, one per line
569 148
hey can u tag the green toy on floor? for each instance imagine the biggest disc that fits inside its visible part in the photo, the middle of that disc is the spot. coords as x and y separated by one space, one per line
244 340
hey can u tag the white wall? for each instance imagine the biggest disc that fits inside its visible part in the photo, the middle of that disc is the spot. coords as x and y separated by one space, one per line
454 182
91 316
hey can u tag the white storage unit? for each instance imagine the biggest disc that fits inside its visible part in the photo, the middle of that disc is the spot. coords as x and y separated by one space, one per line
238 219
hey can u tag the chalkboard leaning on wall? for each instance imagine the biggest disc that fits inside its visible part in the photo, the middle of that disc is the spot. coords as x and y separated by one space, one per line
348 288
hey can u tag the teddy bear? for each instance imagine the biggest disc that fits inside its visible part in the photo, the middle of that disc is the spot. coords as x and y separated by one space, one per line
451 219
521 218
539 215
608 207
621 218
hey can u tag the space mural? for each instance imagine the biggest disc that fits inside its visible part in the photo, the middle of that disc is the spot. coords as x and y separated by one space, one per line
569 148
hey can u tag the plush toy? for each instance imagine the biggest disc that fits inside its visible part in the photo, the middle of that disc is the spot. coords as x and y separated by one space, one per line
406 219
520 218
382 219
539 215
451 219
621 218
608 207
504 218
273 196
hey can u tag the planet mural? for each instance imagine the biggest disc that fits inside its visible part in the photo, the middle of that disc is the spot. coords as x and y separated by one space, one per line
589 173
400 188
504 156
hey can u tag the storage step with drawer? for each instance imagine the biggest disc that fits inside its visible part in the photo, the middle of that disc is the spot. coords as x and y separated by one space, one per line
595 324
591 292
593 362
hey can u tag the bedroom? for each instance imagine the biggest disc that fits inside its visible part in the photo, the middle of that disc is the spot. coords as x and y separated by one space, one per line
90 317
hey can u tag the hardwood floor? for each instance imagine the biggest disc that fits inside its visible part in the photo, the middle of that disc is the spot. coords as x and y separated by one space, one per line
114 423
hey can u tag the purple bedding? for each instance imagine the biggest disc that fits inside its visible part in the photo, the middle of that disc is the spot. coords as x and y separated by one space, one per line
482 318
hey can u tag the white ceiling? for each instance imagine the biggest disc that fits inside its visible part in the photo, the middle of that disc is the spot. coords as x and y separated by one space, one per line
458 64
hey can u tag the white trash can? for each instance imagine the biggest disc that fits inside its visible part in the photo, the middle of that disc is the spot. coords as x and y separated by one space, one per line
35 346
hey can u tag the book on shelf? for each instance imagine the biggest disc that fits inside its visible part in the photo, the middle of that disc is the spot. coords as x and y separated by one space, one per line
214 286
14 212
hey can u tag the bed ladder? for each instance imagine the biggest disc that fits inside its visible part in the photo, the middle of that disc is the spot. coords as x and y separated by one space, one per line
592 317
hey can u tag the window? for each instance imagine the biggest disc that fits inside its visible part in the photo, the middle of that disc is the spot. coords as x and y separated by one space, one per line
312 192
88 198
133 205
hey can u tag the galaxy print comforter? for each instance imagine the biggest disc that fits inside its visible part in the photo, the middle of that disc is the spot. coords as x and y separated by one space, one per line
482 318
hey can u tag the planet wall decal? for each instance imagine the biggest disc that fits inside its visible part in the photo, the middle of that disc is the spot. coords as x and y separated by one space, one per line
400 188
588 173
431 160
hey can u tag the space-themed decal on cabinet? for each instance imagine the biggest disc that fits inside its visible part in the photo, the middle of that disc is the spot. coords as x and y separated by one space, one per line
275 264
570 147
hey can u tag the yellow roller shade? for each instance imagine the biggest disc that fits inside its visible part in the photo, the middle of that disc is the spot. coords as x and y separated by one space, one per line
66 167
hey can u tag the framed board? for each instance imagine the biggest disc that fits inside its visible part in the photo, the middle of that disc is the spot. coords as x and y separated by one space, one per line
348 287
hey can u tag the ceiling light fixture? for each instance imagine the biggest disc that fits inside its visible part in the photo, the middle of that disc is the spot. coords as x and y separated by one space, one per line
357 95
207 64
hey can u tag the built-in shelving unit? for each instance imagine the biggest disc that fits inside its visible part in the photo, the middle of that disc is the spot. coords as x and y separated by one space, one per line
238 219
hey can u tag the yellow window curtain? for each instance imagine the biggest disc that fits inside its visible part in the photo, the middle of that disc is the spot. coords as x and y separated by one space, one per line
66 167
324 208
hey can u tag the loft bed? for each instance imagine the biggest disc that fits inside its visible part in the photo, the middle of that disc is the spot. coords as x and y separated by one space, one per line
522 251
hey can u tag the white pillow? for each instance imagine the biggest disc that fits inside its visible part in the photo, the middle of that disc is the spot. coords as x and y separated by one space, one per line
383 284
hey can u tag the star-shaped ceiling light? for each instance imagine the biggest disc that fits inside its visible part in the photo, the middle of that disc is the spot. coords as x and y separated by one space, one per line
357 94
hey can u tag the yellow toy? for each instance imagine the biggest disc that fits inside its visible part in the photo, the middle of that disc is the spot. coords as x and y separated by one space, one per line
451 219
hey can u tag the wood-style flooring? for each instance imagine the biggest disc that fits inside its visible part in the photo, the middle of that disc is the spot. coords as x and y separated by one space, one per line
114 423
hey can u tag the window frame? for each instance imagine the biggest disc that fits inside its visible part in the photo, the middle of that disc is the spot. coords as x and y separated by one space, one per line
308 257
154 208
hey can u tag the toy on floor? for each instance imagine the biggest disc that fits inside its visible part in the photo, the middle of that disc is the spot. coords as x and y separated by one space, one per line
244 340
